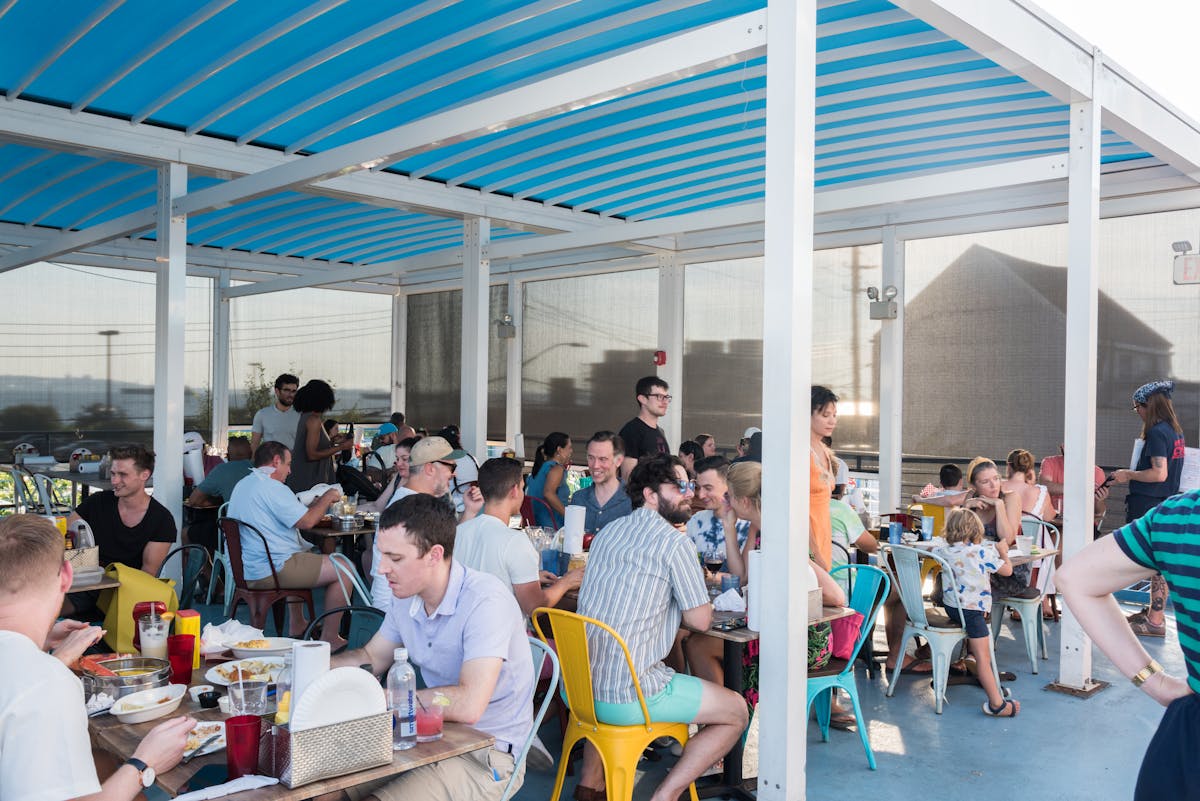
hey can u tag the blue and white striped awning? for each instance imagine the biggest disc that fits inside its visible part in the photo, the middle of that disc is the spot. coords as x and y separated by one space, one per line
260 80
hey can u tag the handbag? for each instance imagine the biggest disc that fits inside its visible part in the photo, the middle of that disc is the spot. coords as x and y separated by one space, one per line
845 634
136 585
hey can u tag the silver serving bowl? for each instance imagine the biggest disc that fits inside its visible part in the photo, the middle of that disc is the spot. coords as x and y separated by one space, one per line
157 674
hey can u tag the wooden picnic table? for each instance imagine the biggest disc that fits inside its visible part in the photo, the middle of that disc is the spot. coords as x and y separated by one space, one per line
328 537
121 740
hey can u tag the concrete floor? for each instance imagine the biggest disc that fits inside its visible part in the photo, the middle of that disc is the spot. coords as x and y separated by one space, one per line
1059 748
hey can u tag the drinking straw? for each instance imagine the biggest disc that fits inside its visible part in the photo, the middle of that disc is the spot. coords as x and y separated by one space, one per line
419 703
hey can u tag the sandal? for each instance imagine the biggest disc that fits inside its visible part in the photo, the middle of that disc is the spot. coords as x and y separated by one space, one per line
1006 710
844 721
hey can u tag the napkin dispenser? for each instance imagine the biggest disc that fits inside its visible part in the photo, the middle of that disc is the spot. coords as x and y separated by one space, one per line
297 758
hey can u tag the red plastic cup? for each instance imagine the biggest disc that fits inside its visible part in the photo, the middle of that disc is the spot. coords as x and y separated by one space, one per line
180 648
241 745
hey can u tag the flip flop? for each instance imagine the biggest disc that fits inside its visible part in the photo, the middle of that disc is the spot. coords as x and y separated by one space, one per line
842 720
1006 710
910 668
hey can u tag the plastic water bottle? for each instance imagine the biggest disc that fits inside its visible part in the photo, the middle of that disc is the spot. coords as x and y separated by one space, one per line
402 700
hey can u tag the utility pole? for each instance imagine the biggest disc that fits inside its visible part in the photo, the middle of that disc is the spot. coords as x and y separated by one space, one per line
108 338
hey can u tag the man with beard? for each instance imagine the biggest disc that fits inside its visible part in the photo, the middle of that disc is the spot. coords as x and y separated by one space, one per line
277 422
641 579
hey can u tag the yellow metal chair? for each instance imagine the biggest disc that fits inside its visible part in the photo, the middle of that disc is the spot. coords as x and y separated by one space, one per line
620 747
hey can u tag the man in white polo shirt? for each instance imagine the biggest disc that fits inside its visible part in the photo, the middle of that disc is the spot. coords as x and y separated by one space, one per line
464 632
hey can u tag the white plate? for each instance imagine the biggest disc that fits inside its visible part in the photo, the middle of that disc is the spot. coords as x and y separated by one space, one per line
343 693
215 676
276 646
202 732
147 705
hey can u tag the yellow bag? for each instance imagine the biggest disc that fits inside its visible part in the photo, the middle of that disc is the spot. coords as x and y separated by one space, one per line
118 603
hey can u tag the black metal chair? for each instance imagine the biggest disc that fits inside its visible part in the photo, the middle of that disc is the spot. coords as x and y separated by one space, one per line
359 624
193 559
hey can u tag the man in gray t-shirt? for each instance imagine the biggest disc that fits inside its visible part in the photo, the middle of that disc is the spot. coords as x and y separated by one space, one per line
277 422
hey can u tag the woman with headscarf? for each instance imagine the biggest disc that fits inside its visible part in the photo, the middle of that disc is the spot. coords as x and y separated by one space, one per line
1158 462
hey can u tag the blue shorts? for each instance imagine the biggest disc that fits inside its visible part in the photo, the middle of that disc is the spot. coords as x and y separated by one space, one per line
678 702
976 625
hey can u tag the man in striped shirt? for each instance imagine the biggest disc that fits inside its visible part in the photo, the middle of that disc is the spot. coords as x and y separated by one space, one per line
642 578
1165 540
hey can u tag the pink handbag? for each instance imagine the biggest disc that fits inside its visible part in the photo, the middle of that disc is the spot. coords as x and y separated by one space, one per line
845 634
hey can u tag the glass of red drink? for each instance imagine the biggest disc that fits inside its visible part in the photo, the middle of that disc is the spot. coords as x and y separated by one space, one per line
429 718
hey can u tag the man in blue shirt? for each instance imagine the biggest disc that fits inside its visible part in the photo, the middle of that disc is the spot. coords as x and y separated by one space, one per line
217 486
605 500
262 500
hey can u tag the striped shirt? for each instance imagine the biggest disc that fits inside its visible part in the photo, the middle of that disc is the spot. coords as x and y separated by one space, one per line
1167 539
641 575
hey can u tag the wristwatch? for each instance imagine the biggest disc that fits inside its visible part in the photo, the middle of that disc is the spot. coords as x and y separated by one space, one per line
144 771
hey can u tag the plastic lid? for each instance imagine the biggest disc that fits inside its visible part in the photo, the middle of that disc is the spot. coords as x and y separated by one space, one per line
400 655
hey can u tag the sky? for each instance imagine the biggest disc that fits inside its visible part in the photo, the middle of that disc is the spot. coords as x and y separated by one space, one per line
1152 39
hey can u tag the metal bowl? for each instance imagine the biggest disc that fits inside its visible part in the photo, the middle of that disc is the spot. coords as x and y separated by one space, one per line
158 674
344 523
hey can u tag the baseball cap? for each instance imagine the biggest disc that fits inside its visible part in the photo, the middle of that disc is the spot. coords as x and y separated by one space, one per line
751 431
433 449
387 428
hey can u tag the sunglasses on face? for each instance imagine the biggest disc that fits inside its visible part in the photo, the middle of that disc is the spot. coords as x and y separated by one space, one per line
686 486
452 465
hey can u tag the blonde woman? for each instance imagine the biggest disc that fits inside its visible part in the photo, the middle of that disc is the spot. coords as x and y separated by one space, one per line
1000 513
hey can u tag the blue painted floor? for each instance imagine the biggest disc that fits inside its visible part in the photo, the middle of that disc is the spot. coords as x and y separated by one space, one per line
1059 748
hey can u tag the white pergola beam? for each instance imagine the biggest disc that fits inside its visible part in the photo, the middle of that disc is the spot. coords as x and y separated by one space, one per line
670 341
891 378
719 44
475 324
77 240
1137 114
399 358
787 372
220 360
515 371
1018 38
170 318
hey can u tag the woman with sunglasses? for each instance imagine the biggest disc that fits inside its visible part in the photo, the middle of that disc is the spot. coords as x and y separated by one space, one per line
1158 460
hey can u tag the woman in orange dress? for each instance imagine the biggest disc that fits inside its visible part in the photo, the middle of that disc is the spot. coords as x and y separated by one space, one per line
821 475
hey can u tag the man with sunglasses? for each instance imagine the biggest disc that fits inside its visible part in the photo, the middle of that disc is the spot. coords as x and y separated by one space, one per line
431 466
641 435
642 579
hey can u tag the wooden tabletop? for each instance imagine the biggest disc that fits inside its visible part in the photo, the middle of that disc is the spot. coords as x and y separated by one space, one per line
828 613
1017 561
121 740
329 531
103 584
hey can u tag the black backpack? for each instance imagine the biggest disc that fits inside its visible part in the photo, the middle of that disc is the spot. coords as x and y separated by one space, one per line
356 482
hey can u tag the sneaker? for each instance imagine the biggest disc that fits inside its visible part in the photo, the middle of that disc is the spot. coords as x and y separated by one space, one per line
1141 615
539 757
1144 628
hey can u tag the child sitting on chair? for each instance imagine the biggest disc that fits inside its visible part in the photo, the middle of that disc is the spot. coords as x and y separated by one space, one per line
970 590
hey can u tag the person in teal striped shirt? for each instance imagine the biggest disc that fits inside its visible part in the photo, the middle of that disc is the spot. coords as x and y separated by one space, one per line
1165 540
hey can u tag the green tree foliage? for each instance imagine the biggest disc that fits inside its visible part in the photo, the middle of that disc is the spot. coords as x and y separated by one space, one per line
29 417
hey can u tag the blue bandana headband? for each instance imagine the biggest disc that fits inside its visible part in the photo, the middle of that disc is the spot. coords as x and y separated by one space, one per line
1143 393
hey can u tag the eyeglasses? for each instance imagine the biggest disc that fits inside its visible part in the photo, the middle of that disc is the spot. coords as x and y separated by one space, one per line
452 465
686 486
661 396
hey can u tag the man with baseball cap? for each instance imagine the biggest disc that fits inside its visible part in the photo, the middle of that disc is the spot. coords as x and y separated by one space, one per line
431 466
384 447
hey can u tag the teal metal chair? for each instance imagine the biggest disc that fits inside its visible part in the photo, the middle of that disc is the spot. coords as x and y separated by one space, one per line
1045 535
942 633
871 587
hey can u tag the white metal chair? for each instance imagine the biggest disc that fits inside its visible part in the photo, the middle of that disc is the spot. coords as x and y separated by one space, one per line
1034 628
48 497
942 633
541 654
348 575
221 562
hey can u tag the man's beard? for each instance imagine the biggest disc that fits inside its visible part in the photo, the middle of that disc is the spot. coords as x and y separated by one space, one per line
676 515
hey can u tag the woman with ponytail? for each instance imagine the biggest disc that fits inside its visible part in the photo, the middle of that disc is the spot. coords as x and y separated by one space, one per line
548 482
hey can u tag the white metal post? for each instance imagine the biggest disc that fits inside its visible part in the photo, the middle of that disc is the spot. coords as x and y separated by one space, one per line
399 351
170 288
220 361
891 378
670 341
1079 416
512 406
787 377
475 324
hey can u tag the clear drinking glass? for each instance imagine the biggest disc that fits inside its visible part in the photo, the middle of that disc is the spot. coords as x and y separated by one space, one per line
248 697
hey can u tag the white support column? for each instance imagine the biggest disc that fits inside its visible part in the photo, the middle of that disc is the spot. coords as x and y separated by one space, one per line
670 340
170 288
400 351
477 235
891 378
1079 415
512 406
787 376
220 361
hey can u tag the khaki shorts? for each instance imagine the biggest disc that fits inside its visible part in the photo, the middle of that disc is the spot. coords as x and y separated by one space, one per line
300 571
475 776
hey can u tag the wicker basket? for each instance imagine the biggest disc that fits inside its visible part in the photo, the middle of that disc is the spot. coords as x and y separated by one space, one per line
302 757
84 557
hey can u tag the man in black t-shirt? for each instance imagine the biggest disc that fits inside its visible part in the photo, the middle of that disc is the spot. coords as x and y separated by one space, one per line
130 527
641 435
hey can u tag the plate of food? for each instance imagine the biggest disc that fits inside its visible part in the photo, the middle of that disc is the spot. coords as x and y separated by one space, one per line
148 704
244 670
263 646
202 732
